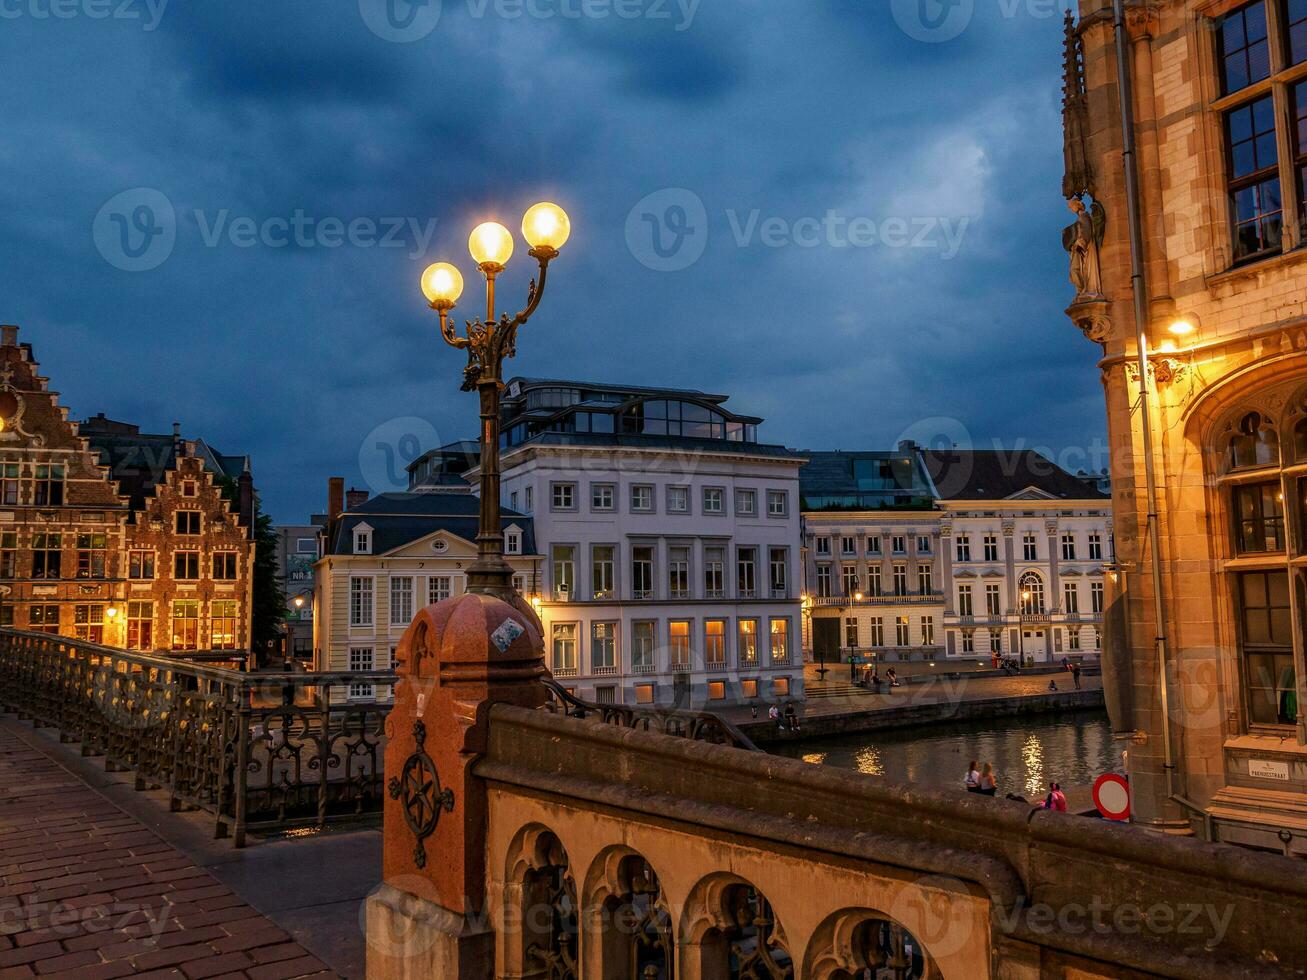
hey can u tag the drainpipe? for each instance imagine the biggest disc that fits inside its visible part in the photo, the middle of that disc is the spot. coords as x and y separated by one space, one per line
1140 291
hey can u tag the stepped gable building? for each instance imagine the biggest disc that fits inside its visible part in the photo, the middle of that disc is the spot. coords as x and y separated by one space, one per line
1210 675
919 554
115 536
386 557
671 537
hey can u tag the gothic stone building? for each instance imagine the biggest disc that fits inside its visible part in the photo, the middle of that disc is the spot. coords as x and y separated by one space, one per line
114 536
1219 101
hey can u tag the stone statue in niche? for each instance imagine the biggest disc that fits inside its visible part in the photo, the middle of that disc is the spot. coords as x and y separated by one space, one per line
1083 239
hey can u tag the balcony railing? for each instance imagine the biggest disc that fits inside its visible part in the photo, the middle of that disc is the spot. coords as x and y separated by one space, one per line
257 751
903 599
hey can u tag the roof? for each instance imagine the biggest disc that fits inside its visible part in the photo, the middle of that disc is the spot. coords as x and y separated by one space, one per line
998 474
865 481
634 391
140 461
399 519
680 443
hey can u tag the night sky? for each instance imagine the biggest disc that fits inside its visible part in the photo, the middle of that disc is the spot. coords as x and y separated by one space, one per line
843 213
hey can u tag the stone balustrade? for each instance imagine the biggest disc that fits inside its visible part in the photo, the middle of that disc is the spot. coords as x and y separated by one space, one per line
532 844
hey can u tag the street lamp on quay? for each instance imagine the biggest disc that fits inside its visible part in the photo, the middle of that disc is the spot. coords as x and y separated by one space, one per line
1021 631
488 343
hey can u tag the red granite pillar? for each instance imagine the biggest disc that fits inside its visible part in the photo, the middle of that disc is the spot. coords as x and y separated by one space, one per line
457 659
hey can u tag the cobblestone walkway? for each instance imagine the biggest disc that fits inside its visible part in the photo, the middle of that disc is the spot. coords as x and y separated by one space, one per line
88 892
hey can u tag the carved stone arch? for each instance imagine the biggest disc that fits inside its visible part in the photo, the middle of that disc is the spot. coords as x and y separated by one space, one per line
857 943
540 907
729 930
628 931
1250 436
1207 416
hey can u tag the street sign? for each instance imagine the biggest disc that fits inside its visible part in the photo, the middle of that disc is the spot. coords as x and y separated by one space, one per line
1112 796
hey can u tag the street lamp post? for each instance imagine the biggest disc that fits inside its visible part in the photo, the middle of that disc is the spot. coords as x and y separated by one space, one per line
488 343
1021 628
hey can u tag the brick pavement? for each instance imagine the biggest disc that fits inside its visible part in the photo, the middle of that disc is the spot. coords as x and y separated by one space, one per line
88 892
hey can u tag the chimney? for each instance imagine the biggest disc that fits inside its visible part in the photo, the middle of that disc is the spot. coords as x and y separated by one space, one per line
335 504
178 444
356 498
907 447
245 494
8 335
335 498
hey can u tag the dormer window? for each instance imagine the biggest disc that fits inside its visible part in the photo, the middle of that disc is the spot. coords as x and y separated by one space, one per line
363 540
513 542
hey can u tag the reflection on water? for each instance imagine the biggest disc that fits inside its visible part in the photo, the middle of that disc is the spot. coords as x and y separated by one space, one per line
1026 754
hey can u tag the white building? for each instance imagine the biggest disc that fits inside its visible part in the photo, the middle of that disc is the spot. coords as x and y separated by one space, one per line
671 542
920 555
388 557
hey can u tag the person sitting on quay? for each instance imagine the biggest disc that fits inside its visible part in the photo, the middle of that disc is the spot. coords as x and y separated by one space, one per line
1052 685
973 777
988 783
791 717
892 676
1056 799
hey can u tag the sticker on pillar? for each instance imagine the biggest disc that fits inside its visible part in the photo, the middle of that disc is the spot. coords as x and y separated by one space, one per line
509 630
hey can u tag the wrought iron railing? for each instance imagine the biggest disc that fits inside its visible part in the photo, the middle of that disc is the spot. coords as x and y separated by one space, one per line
258 751
697 725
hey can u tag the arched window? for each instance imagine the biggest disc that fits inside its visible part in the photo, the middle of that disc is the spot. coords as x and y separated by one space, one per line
1265 592
1032 595
1254 443
1300 441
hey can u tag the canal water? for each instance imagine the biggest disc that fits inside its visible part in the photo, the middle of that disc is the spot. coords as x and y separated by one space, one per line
1027 753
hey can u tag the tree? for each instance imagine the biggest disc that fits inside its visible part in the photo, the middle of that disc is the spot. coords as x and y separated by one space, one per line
268 605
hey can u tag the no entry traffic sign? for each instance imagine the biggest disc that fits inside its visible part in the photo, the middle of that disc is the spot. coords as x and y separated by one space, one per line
1112 796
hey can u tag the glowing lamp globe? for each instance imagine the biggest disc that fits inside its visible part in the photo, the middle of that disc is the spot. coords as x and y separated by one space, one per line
442 284
491 244
547 226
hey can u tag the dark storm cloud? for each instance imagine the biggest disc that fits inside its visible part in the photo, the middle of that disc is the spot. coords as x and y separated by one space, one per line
774 114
